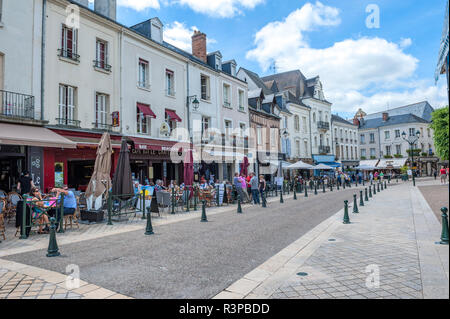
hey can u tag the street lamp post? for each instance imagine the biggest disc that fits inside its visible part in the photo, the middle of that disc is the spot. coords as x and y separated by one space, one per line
195 103
285 134
411 141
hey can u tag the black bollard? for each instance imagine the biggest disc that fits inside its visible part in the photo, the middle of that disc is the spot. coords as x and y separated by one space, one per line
149 228
315 188
444 234
239 208
378 187
370 191
281 198
374 190
53 250
365 194
355 205
323 186
331 187
337 185
385 185
306 191
346 217
361 200
295 193
204 218
173 201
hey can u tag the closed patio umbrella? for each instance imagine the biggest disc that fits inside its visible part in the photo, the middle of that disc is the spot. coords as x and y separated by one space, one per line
244 167
122 182
188 168
100 179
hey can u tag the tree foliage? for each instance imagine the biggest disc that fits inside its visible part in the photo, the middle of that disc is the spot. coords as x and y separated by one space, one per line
440 127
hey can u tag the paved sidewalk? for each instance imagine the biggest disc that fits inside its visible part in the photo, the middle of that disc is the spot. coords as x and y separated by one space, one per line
19 281
394 233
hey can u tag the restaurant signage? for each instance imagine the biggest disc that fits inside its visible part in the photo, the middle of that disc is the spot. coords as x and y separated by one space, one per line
115 119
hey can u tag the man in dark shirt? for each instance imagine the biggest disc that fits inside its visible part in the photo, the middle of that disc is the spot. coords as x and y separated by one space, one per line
25 183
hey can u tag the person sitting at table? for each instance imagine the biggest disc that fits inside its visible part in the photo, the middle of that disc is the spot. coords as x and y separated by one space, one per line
38 212
70 201
204 185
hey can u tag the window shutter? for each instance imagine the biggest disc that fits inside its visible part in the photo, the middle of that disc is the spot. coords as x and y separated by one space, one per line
74 40
70 103
62 101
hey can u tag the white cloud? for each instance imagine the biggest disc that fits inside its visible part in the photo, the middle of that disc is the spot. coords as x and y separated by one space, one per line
364 72
139 5
220 8
404 43
179 35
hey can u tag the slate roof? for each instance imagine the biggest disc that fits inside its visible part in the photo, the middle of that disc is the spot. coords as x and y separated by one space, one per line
337 118
421 109
258 81
392 120
288 80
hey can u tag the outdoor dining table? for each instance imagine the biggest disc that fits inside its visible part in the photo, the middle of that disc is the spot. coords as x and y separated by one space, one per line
50 207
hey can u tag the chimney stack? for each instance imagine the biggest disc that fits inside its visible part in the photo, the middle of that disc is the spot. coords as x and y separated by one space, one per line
356 121
385 117
106 7
199 46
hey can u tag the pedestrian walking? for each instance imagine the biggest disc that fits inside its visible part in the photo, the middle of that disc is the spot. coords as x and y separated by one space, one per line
443 175
254 184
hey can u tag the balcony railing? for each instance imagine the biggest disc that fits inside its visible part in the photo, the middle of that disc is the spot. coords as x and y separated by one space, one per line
227 104
102 126
323 125
102 65
324 149
68 122
68 54
16 105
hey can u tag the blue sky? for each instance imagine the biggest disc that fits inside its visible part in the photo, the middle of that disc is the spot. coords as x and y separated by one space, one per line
373 69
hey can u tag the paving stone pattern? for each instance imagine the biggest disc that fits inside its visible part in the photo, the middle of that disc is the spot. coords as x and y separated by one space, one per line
337 270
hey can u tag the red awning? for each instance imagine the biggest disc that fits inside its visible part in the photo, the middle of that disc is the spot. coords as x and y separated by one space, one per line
146 110
154 145
173 116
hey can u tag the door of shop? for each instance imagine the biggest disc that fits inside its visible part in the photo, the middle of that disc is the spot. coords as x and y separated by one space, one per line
10 169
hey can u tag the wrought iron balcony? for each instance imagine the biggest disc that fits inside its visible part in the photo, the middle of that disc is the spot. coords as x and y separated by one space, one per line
68 122
16 105
102 65
324 149
323 125
68 54
102 126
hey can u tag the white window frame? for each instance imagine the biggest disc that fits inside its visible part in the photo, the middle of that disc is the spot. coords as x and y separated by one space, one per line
241 100
363 153
207 88
74 48
206 121
387 135
398 149
66 109
101 108
228 130
170 82
105 62
141 121
226 95
143 77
